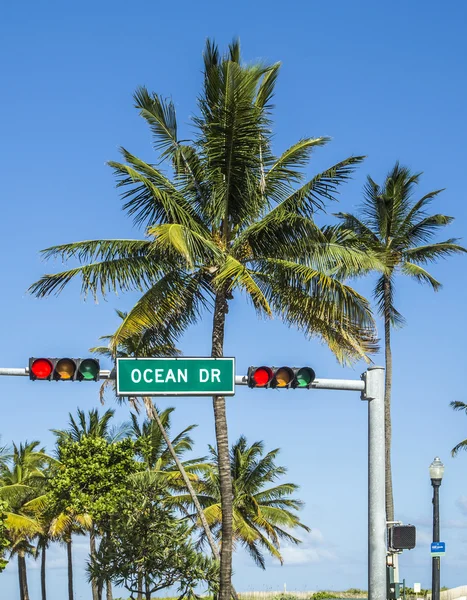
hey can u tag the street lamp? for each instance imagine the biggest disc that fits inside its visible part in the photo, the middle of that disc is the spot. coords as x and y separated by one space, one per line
436 475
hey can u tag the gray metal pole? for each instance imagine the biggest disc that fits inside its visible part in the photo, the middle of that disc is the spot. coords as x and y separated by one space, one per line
435 561
374 393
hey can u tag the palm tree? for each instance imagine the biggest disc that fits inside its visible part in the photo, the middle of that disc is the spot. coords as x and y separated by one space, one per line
151 342
22 480
262 515
152 447
91 425
459 406
397 230
233 218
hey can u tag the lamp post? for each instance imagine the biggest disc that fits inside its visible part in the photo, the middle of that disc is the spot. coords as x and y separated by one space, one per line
436 475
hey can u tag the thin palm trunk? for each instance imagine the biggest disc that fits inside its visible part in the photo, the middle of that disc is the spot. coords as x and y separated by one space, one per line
387 398
23 577
92 552
20 579
225 479
43 563
152 414
108 590
69 552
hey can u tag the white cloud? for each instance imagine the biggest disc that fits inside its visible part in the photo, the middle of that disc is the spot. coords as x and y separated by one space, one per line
313 549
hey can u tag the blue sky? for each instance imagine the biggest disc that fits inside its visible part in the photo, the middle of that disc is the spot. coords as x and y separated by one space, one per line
383 79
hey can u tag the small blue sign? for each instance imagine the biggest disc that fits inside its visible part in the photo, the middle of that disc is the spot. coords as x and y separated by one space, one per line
438 548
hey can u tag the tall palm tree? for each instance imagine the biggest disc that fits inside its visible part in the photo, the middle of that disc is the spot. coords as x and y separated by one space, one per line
22 480
262 515
232 218
397 230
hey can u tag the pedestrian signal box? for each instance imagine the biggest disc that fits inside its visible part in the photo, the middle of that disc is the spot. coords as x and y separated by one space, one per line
402 537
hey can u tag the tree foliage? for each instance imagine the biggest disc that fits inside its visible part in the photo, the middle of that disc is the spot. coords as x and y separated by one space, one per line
264 510
150 548
93 476
226 216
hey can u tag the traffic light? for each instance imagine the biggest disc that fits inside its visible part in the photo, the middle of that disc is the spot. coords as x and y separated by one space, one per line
402 537
64 369
280 377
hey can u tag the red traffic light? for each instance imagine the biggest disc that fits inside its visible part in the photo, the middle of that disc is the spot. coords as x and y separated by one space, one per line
41 368
262 376
281 377
64 369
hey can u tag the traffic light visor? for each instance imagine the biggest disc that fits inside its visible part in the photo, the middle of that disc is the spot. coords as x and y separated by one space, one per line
89 369
41 368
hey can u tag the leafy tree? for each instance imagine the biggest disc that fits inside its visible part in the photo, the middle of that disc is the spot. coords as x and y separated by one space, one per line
92 425
93 477
262 515
233 218
149 544
398 230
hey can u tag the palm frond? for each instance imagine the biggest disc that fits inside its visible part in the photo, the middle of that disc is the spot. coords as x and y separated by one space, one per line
431 252
420 274
233 274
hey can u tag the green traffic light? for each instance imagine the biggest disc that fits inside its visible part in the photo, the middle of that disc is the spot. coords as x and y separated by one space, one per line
89 369
305 376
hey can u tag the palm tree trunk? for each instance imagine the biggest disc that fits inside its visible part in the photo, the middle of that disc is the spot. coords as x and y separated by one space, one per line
20 578
92 553
24 577
108 590
220 418
387 398
70 568
153 415
43 561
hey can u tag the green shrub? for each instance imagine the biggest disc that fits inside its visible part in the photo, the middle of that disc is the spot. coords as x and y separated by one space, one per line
324 595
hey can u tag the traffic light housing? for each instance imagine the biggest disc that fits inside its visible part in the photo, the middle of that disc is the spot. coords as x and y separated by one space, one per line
64 369
402 537
280 377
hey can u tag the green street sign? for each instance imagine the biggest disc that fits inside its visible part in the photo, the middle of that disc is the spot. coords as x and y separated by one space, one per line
175 376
